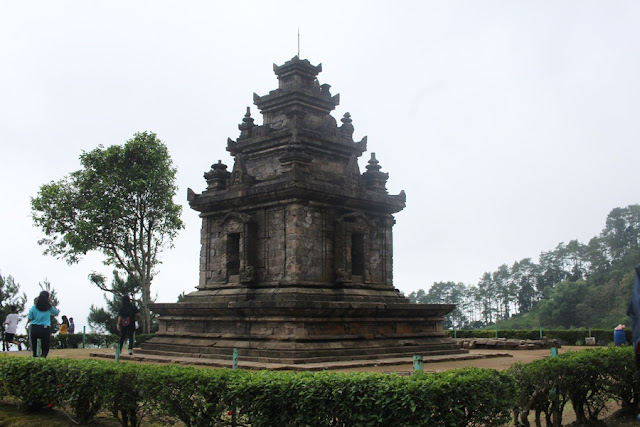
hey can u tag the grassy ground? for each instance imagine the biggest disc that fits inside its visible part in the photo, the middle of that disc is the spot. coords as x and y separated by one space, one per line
12 415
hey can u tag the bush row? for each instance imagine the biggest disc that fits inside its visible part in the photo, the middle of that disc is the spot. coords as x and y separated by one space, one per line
218 397
565 336
588 379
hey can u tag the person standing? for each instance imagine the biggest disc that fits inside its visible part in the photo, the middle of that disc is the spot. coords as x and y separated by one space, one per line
11 326
72 326
126 322
633 311
63 329
64 326
40 318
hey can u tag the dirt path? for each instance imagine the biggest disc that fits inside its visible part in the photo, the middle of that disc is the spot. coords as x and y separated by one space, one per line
500 363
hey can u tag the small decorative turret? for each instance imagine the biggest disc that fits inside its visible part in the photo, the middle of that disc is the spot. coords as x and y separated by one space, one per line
373 178
346 130
247 125
217 177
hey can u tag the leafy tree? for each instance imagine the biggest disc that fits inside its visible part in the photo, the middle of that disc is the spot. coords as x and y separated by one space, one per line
474 307
505 290
447 293
573 284
567 305
573 255
101 320
415 297
598 263
621 236
552 268
121 204
487 298
10 295
523 275
622 230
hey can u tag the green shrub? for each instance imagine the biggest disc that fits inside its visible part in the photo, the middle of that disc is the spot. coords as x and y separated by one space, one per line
32 380
127 393
588 379
195 396
456 398
83 386
201 397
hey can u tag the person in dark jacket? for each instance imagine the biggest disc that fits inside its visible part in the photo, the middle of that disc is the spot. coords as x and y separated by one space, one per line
127 322
634 312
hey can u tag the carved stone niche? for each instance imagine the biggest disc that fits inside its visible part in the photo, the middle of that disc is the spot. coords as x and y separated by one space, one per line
239 246
352 247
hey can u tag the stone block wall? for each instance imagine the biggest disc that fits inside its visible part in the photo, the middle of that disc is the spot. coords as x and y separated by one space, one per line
296 243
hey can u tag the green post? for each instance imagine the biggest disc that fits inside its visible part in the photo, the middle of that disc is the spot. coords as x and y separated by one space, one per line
496 329
39 348
117 352
554 352
84 337
134 339
455 333
418 363
540 331
589 331
234 362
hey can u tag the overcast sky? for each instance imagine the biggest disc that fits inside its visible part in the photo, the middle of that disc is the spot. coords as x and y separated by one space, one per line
512 126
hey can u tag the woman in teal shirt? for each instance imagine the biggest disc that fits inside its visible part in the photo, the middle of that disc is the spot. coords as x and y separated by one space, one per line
40 318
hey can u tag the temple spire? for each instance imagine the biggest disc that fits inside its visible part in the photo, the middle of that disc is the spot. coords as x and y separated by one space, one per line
374 179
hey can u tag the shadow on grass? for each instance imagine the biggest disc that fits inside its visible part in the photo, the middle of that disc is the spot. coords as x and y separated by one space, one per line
11 415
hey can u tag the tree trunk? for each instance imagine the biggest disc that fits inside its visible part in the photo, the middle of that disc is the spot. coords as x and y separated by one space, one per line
145 311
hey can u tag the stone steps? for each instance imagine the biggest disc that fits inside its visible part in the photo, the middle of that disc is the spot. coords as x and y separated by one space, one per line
181 359
303 355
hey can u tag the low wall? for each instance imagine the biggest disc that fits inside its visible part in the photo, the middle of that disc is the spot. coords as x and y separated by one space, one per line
504 343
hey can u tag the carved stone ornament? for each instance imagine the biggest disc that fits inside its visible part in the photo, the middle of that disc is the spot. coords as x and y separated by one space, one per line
247 274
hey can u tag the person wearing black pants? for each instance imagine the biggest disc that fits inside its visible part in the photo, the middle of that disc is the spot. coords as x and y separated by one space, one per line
40 318
127 322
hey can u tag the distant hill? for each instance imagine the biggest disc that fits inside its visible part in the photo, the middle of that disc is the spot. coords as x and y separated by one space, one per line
572 285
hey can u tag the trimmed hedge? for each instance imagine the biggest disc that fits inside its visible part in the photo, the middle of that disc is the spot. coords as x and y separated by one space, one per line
217 397
565 336
587 379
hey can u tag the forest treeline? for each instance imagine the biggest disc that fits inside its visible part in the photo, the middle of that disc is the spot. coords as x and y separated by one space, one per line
572 285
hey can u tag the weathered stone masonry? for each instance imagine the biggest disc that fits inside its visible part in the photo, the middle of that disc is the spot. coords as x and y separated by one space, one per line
296 262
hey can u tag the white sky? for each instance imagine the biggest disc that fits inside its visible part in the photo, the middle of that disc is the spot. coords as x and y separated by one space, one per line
512 126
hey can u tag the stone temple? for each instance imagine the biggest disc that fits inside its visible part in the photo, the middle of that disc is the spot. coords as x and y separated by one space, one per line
296 263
